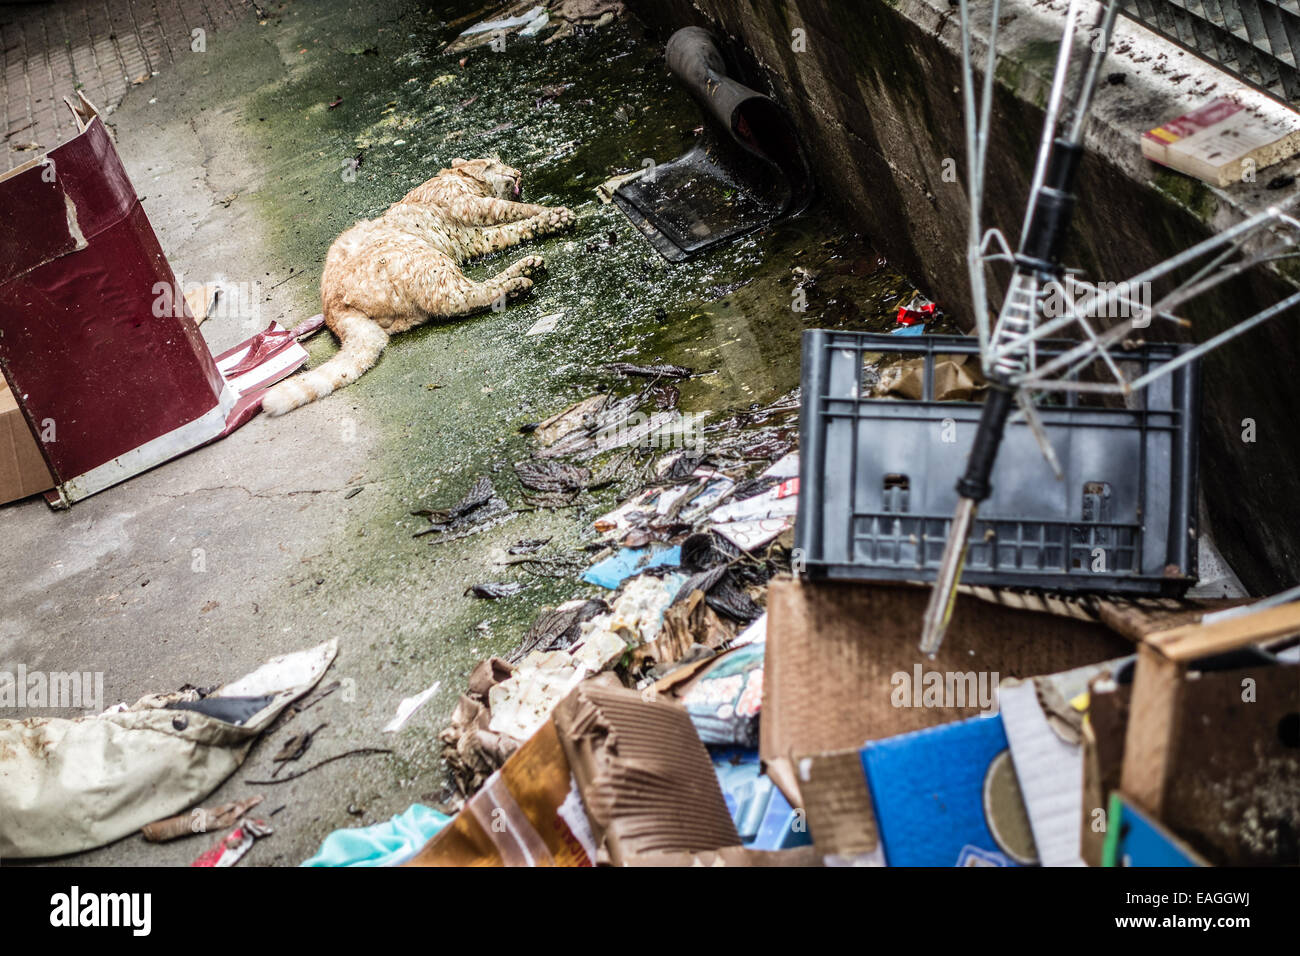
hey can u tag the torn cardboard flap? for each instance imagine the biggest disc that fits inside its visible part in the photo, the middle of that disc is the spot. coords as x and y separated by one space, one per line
837 803
1220 761
528 813
645 778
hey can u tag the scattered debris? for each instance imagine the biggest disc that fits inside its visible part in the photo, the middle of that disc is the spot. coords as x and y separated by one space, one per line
552 476
547 323
294 747
198 820
407 708
235 845
650 371
358 752
480 509
494 589
531 546
918 311
605 191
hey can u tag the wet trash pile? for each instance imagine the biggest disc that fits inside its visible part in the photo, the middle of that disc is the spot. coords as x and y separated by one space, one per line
683 560
554 19
732 696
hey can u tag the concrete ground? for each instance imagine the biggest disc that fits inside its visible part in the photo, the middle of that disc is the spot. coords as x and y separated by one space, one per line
100 47
198 571
201 569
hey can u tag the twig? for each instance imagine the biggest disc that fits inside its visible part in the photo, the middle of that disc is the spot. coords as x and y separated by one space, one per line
294 776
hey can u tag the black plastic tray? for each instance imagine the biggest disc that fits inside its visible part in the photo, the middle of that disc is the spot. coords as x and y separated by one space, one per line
878 476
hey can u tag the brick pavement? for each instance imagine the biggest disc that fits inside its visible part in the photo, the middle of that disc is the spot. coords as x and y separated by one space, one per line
102 47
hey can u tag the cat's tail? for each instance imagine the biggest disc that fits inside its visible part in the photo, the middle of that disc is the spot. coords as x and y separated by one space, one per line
362 340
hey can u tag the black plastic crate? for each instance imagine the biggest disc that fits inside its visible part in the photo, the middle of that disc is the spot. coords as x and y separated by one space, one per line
878 476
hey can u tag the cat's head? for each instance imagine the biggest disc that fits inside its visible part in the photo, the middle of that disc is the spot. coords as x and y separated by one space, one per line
495 177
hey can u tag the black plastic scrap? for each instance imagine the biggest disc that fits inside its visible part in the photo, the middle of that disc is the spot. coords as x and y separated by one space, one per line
528 546
711 559
294 747
480 509
557 629
491 590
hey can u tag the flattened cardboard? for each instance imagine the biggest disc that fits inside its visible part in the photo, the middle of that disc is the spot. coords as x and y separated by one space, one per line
646 780
833 650
733 856
837 803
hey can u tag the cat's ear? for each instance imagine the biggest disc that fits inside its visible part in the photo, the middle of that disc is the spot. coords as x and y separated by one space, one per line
457 162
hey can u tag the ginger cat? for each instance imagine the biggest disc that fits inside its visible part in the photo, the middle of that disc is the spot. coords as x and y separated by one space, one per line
383 276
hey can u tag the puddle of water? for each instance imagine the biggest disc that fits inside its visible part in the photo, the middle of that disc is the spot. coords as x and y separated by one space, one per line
450 398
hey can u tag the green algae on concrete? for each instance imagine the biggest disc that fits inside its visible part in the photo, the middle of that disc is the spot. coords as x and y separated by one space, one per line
348 130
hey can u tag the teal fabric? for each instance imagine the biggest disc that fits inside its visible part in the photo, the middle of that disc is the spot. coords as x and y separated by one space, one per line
383 844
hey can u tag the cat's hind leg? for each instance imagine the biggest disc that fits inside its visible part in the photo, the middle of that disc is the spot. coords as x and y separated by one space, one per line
528 267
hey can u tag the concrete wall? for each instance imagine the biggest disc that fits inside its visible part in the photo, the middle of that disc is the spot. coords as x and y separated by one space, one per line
876 93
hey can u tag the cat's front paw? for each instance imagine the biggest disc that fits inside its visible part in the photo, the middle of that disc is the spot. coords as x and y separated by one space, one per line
561 217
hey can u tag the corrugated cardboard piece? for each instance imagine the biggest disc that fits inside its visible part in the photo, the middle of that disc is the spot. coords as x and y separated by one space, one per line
837 803
834 649
23 470
733 856
645 778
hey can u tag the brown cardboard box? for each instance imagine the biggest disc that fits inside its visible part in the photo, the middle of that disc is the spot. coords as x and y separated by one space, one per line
833 650
1234 771
22 468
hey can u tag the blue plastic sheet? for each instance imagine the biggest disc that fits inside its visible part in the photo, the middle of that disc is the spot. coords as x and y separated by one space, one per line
620 566
383 844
